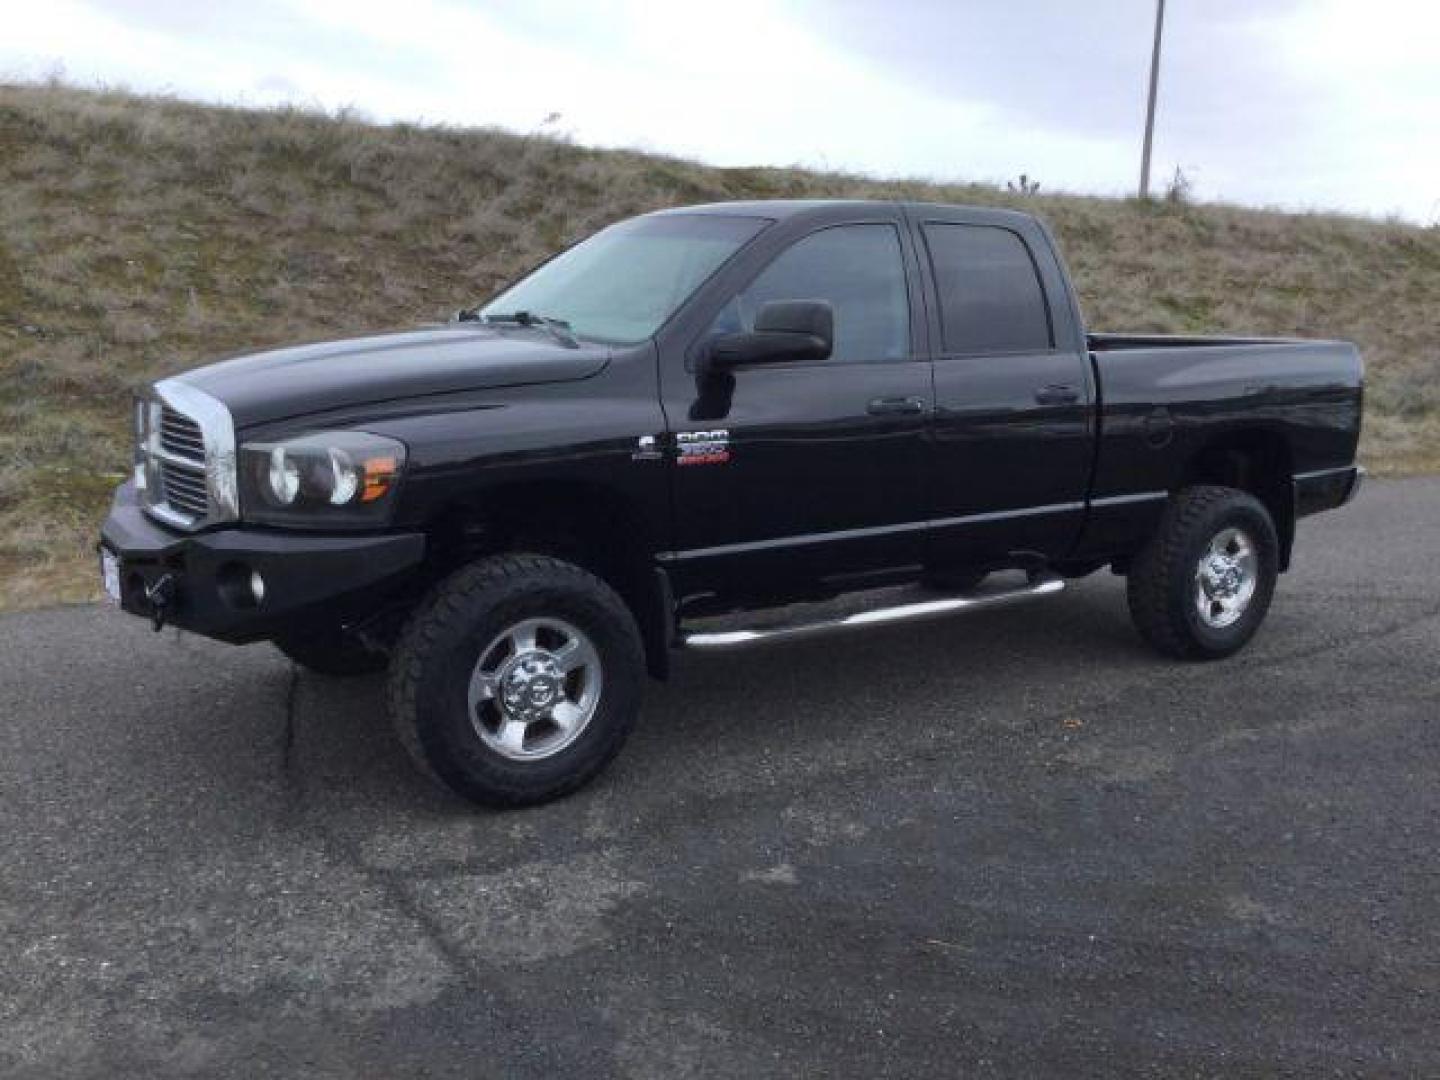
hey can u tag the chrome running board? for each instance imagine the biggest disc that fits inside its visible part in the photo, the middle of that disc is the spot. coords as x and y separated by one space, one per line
924 609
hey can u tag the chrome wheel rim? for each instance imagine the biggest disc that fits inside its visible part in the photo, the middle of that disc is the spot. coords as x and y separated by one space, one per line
1226 577
534 689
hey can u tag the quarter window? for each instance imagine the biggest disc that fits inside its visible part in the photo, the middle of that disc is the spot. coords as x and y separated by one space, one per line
991 299
859 270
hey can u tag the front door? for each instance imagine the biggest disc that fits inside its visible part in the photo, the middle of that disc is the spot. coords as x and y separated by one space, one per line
802 472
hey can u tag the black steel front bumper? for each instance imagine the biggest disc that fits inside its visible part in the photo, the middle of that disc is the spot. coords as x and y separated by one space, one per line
307 578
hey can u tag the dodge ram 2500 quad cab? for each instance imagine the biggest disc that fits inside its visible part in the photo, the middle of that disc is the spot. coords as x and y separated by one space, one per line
717 409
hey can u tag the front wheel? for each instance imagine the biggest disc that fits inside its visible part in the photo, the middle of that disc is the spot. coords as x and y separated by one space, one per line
518 679
1202 585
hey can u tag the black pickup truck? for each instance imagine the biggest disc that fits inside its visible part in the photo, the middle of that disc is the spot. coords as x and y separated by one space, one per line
709 412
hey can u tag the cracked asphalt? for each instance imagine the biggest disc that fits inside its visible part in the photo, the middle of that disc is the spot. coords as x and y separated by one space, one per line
1009 844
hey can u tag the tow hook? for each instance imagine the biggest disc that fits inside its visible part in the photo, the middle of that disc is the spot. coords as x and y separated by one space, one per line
160 596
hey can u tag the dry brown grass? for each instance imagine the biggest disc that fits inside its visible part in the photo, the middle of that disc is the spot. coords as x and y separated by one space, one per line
140 236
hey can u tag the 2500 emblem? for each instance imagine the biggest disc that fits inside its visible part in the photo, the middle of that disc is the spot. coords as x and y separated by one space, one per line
702 447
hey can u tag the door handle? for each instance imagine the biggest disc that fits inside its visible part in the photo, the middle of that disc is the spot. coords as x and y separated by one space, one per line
1057 394
893 406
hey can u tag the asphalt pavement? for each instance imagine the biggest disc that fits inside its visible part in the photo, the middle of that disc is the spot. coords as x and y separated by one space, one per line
1014 843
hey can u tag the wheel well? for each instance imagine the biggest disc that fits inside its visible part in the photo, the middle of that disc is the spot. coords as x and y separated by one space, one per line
592 527
1256 462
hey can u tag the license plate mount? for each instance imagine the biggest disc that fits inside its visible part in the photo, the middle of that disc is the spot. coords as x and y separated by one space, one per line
110 575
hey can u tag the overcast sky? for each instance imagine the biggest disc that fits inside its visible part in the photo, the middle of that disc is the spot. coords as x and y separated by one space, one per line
1300 103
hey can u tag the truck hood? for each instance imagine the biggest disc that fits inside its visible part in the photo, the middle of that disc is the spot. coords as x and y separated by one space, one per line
265 387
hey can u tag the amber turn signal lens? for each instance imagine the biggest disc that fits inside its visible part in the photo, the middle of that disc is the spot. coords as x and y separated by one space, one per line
380 475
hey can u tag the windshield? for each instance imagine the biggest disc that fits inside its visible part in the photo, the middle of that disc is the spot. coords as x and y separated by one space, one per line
621 284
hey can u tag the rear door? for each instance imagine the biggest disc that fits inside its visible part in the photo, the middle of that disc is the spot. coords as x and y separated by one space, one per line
1014 412
799 472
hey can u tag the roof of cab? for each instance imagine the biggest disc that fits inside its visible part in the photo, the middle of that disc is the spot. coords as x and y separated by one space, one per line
773 207
780 209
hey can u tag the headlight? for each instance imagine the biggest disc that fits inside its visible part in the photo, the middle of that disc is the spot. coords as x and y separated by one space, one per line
333 478
142 459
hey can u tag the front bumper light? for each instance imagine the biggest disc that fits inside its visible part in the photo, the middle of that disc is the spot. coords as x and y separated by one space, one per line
331 479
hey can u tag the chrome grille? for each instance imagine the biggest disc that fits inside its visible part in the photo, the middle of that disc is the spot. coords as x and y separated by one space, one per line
186 457
185 489
182 466
180 435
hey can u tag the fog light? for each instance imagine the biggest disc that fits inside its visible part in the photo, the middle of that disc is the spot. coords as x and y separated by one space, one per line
240 586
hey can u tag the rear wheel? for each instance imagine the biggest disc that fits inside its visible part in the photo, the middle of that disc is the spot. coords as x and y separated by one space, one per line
1203 584
518 680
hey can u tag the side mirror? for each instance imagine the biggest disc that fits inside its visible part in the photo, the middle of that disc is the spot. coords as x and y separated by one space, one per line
785 330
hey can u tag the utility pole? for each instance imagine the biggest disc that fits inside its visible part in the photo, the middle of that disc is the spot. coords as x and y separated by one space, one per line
1150 107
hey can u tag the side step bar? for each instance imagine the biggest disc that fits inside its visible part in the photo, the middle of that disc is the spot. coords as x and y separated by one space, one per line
1043 585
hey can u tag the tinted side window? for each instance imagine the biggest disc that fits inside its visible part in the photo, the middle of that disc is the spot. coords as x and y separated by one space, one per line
859 269
991 299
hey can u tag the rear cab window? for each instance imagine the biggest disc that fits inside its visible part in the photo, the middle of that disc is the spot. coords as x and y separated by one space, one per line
991 296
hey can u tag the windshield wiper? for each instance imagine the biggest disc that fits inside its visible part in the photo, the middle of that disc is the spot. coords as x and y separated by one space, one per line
559 328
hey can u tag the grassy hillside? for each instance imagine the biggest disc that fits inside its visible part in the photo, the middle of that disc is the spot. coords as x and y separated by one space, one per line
139 236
